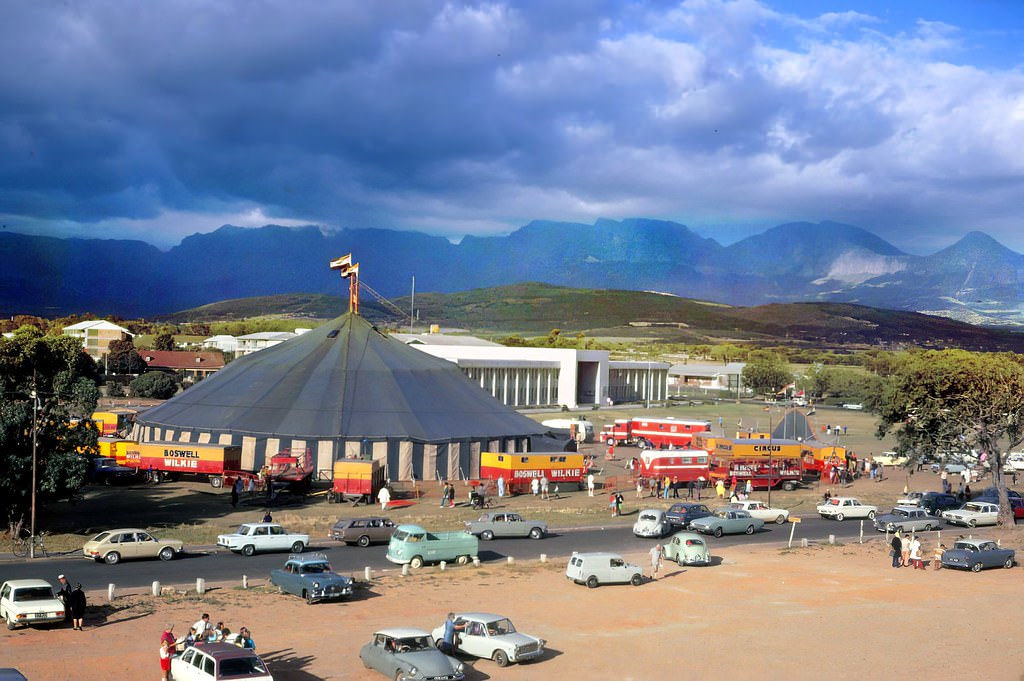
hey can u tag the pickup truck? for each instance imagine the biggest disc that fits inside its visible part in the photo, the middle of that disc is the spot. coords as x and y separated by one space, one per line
310 576
252 537
414 545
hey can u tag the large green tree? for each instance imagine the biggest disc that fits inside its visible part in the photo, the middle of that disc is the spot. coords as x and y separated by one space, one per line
164 341
54 375
766 373
123 358
155 384
954 401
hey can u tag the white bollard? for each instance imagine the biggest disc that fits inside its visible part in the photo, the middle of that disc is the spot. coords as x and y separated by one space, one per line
511 560
543 557
831 540
861 532
476 561
200 586
444 565
405 570
803 543
110 593
156 588
245 581
367 573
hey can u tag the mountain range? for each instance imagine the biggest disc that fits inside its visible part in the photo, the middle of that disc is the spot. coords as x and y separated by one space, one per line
976 280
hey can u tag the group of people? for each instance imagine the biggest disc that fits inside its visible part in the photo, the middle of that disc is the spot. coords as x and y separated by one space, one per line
448 495
74 602
540 486
203 631
908 552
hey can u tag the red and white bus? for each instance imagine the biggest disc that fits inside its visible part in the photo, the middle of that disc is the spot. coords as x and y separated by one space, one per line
649 433
682 465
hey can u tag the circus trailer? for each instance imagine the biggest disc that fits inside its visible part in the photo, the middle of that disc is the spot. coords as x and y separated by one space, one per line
567 469
114 422
820 458
649 433
173 460
356 479
291 468
762 472
116 448
681 465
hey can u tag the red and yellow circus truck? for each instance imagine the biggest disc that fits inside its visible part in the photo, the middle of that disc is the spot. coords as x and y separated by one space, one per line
819 458
116 448
766 463
114 421
649 433
520 468
680 465
174 459
356 479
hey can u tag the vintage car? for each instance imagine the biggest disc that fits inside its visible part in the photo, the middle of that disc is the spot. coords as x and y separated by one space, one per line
113 546
890 459
29 601
310 576
106 471
682 514
727 521
975 554
594 569
972 514
216 661
363 531
403 653
759 509
934 503
414 545
907 519
841 508
493 637
651 522
686 548
503 524
910 499
250 538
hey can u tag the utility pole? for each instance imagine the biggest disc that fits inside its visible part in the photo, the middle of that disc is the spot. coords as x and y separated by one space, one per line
32 513
412 304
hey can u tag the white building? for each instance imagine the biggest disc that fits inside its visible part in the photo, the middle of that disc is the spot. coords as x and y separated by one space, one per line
707 376
97 335
223 342
254 342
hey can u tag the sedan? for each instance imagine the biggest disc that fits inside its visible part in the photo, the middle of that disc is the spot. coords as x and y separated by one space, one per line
973 513
493 637
114 545
363 531
216 661
759 509
503 524
975 554
404 653
651 522
727 521
841 508
907 519
681 515
29 601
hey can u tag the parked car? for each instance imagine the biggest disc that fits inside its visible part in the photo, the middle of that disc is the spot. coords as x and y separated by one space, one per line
311 577
910 499
686 548
890 459
934 503
106 471
29 601
907 519
363 531
414 545
252 537
972 514
759 509
503 524
682 514
217 661
991 495
951 468
975 554
840 508
493 637
651 522
727 521
113 546
856 406
594 569
405 653
1014 462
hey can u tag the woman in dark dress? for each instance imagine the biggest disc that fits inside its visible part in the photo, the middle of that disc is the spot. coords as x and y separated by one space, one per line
76 601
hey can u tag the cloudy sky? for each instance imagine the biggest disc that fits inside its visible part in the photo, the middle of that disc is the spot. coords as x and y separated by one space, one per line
155 120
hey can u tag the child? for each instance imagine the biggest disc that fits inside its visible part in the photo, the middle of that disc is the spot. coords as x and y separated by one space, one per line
937 562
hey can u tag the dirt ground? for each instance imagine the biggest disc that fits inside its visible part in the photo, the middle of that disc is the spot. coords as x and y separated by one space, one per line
835 612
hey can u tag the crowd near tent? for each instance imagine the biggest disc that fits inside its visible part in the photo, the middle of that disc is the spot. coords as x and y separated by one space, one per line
347 390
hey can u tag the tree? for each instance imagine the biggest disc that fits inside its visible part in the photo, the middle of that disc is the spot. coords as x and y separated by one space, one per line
155 384
955 401
51 379
122 358
767 374
164 341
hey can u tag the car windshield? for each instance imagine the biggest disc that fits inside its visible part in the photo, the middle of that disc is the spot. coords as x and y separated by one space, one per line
316 568
414 644
500 627
34 593
241 666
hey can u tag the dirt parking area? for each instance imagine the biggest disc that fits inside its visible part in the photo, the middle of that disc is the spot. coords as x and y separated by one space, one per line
836 612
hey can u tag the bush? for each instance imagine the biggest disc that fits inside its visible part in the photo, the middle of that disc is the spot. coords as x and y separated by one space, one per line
155 384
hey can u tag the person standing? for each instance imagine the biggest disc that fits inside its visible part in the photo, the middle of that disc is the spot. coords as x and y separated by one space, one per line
750 487
613 503
384 497
501 486
251 485
655 561
236 487
590 484
915 552
444 495
544 486
64 594
720 489
675 486
448 639
535 486
165 660
639 488
618 504
203 627
897 548
77 602
451 495
905 553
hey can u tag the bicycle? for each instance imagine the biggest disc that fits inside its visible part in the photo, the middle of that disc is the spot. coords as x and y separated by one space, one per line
22 546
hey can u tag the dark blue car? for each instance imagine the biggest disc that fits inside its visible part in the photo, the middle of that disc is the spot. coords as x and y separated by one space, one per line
682 514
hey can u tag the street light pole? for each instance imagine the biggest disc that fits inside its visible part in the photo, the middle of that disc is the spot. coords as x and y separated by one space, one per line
769 458
32 512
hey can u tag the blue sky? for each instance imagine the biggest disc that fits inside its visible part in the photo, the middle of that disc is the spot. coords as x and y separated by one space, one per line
156 120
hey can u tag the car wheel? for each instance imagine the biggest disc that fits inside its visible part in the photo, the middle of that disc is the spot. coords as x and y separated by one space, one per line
592 582
298 547
928 527
750 529
112 558
679 561
839 517
871 515
972 523
637 579
11 626
487 535
976 567
781 520
166 553
248 550
789 486
280 589
718 532
536 533
1008 564
399 675
217 482
416 563
364 541
308 595
462 560
610 442
500 658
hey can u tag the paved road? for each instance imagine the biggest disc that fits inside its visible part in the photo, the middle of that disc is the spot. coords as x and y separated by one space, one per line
219 566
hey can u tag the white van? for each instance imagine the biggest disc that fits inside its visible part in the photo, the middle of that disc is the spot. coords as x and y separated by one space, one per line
594 569
1014 462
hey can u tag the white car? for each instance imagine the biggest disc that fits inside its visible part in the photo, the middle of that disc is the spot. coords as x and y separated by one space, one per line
217 662
651 522
759 509
841 508
891 459
856 406
972 514
594 569
250 538
29 601
910 499
493 637
1014 462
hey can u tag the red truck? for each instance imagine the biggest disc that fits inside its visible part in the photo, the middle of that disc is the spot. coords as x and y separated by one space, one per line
173 459
355 480
784 473
649 433
680 465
